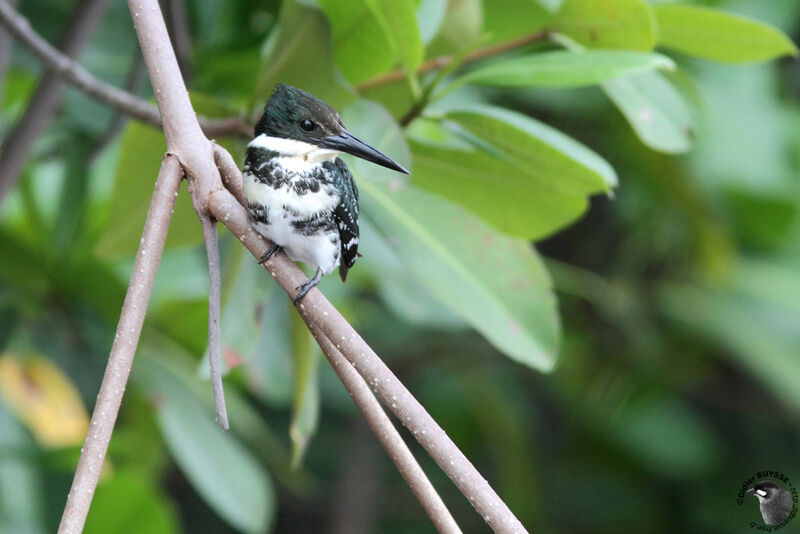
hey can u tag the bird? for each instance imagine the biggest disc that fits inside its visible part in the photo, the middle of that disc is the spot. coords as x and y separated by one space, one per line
774 501
299 194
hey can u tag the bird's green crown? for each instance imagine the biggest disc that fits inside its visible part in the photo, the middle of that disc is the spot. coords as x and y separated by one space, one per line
292 113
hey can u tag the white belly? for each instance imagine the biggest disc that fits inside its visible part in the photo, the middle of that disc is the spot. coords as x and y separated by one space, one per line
317 250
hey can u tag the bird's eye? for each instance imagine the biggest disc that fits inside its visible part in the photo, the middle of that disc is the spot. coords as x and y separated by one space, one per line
307 125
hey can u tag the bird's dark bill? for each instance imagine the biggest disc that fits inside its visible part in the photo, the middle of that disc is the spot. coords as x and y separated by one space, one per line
347 142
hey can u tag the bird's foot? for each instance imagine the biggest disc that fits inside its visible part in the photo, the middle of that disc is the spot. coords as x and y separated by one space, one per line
270 251
308 286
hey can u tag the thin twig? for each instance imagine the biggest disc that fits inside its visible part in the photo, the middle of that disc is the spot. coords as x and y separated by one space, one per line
320 314
443 61
389 437
40 109
122 351
212 250
75 74
230 174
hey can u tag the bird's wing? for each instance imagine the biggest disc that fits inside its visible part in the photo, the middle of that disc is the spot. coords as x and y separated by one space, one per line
346 216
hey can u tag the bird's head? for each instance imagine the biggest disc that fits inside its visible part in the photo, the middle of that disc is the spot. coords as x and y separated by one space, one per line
764 490
292 113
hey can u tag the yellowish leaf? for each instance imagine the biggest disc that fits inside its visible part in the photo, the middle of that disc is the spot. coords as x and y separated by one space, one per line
44 399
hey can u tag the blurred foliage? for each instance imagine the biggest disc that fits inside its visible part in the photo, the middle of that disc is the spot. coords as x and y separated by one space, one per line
659 182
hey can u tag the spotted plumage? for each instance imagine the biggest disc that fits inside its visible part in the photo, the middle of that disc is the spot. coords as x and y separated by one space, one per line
300 195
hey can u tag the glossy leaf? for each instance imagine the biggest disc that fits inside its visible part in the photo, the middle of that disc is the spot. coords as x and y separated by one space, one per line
719 36
539 148
361 48
496 283
505 20
223 472
628 24
398 20
430 15
655 111
566 69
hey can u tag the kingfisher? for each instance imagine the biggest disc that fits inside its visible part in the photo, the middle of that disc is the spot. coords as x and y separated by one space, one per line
300 194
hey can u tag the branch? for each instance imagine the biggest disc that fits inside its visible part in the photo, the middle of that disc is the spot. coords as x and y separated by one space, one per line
19 141
320 315
122 351
443 61
181 35
389 437
72 72
212 251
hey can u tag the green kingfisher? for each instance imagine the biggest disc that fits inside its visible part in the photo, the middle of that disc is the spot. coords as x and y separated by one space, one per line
300 195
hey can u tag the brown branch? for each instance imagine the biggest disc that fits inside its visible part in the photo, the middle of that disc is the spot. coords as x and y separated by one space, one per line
122 351
40 109
389 437
72 72
443 61
212 251
320 314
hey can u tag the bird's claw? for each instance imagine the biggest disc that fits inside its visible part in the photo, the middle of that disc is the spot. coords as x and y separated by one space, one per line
307 286
268 254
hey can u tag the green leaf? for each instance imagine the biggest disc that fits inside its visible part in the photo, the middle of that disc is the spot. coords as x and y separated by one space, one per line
127 502
141 151
655 111
299 52
520 175
430 14
463 23
497 191
626 24
305 402
505 20
398 20
362 49
538 148
496 283
566 69
223 472
720 36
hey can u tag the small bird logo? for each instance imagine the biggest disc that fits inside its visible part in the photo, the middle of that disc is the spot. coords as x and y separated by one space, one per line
774 501
300 195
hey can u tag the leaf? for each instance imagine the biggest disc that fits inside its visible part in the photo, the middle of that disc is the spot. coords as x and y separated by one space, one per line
566 69
127 502
430 15
537 147
505 20
496 283
463 23
719 36
626 24
305 402
44 399
521 176
398 20
221 470
655 111
362 49
299 53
